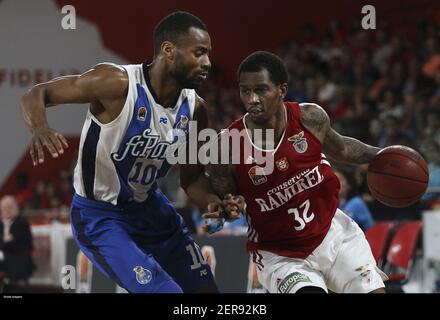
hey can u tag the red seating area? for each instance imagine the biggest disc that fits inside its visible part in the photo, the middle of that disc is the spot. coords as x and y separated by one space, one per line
394 247
379 237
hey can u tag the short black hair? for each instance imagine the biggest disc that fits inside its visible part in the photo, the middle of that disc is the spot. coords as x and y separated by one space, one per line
173 26
261 60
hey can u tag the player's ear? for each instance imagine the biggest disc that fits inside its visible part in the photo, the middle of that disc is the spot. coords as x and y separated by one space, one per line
283 90
168 49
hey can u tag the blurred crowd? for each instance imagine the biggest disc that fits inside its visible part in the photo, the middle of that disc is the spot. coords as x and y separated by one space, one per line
47 200
381 86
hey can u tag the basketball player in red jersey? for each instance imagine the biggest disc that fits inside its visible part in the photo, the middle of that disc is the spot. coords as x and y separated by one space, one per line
300 240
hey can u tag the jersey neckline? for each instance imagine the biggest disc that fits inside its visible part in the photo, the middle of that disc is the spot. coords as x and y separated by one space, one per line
145 66
281 139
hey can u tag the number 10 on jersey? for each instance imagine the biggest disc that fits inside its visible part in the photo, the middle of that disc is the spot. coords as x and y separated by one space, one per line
143 174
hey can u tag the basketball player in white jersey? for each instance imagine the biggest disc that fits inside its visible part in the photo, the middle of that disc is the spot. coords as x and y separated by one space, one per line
120 220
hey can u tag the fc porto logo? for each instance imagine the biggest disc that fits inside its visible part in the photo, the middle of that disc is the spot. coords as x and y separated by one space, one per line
282 164
143 276
299 142
256 173
142 114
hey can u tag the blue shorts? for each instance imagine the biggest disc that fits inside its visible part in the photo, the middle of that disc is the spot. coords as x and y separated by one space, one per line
143 247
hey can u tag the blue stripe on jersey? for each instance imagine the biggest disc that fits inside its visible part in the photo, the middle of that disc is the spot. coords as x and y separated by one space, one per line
183 111
139 122
88 160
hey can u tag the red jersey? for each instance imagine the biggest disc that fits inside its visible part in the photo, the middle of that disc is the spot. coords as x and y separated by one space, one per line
290 210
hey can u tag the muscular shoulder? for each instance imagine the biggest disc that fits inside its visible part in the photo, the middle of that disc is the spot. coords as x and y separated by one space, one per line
111 79
315 119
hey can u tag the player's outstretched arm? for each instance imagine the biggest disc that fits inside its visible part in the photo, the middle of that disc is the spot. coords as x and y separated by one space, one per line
197 185
348 150
337 147
105 85
222 181
192 176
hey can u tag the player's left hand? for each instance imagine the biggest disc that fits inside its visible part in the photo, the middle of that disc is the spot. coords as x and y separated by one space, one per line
42 137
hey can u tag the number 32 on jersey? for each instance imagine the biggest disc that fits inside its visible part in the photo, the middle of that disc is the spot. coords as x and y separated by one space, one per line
302 215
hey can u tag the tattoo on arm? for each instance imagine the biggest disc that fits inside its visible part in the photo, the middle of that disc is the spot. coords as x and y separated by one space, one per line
336 146
347 149
314 118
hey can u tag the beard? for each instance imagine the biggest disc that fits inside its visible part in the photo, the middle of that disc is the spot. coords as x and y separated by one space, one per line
182 75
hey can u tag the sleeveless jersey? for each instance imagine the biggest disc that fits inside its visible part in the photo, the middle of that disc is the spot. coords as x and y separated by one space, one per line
120 161
290 210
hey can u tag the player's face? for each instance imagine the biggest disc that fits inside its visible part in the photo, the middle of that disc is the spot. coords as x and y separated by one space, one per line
191 62
260 96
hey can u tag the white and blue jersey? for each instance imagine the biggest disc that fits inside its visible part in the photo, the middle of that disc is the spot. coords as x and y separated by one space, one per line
120 161
120 220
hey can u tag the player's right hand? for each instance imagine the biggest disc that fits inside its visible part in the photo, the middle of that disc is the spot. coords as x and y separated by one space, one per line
54 141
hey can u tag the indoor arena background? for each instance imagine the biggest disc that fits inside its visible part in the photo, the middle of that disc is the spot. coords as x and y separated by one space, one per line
379 85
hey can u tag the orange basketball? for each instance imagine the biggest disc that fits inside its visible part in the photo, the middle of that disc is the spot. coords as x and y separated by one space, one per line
398 176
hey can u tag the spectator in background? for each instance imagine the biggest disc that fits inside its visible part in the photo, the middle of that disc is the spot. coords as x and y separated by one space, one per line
376 132
435 98
39 197
381 83
15 243
23 193
384 47
51 192
416 82
326 89
296 91
66 188
431 128
354 206
431 150
394 134
432 63
390 106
